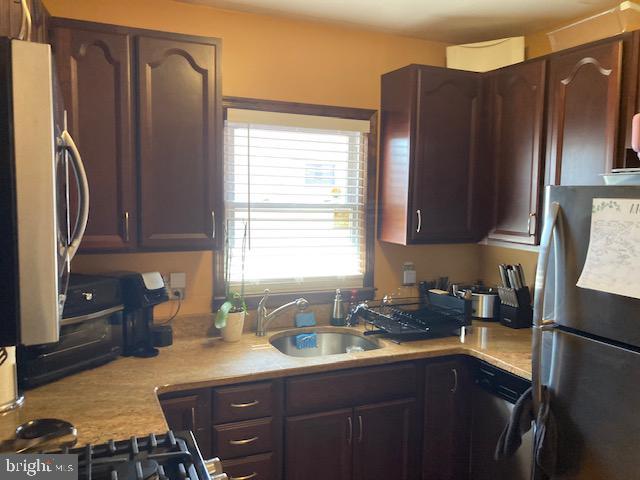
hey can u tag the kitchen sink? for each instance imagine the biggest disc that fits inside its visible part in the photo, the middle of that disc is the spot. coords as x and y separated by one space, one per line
330 341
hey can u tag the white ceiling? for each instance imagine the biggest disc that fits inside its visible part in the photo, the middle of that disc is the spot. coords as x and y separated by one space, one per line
456 21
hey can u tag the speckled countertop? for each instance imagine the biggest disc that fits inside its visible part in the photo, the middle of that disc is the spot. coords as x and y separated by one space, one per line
119 399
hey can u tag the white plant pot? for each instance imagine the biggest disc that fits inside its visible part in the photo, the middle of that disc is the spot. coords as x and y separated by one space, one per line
233 330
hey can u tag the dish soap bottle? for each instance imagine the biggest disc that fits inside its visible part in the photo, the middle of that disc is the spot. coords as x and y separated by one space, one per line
338 316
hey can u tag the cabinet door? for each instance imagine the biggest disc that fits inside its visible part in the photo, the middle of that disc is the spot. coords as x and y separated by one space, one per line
190 412
93 70
385 441
447 421
517 105
443 186
584 107
180 148
319 446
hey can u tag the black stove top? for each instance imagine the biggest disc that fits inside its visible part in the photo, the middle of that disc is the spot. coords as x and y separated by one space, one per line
170 456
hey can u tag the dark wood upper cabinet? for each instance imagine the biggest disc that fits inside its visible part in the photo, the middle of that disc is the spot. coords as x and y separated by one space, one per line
431 147
180 121
93 71
584 113
516 104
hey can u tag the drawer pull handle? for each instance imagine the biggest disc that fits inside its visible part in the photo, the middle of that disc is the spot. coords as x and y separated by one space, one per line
361 434
246 477
245 405
246 441
454 389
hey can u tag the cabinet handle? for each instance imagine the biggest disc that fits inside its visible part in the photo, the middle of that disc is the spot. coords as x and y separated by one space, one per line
213 225
246 477
25 26
531 215
361 432
350 430
419 214
126 226
454 389
193 417
244 405
243 442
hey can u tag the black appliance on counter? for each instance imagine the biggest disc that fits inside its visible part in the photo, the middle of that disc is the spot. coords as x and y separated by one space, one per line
170 456
90 333
140 292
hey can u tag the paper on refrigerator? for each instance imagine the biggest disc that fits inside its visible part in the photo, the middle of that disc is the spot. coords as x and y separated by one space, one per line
613 259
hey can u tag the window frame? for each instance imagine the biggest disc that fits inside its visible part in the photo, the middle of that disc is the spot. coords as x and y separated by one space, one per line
320 296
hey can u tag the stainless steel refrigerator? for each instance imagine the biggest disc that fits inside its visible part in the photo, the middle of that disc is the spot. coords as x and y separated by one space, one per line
586 347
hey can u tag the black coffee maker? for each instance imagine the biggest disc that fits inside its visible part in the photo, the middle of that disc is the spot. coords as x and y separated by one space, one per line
140 293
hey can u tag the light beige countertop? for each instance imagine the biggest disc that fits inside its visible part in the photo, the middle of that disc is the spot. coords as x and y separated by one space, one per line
119 399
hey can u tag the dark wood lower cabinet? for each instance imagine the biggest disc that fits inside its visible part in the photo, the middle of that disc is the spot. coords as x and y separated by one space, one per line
318 446
447 421
385 441
190 411
258 467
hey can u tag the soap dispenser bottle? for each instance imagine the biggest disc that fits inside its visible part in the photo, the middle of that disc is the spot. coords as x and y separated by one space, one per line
338 316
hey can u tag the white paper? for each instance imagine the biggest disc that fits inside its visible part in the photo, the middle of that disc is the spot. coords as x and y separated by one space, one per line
613 258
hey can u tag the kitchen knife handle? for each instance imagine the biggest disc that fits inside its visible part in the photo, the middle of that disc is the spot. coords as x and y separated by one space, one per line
419 215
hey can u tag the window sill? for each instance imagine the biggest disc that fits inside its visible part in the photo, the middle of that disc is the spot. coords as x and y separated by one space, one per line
314 298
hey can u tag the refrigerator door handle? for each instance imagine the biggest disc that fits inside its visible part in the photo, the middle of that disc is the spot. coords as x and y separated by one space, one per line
549 233
83 194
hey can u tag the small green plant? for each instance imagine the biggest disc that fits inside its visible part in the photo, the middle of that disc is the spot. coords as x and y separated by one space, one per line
234 302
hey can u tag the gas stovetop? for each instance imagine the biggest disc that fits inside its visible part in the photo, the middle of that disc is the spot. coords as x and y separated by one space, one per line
156 457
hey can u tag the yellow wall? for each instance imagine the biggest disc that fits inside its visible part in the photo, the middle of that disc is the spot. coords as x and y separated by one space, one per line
279 59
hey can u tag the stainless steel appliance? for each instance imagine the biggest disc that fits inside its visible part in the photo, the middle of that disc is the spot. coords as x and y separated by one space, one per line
485 302
494 395
586 347
90 333
38 240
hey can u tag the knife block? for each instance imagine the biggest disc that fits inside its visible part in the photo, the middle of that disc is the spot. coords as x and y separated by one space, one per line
518 314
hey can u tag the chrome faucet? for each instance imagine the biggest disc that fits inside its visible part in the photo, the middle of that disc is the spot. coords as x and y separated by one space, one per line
264 318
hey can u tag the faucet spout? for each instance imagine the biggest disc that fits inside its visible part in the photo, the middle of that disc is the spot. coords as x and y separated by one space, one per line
264 318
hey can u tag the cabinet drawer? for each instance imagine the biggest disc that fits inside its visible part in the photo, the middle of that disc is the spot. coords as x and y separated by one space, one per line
329 391
240 439
257 467
242 402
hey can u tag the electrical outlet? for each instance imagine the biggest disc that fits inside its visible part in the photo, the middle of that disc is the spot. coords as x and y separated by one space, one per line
177 285
176 293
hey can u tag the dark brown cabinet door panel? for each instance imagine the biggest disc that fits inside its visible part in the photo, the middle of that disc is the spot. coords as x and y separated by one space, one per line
180 116
517 111
584 107
319 446
384 441
93 69
443 179
190 411
447 421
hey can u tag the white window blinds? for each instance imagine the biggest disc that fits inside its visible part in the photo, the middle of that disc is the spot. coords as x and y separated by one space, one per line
298 185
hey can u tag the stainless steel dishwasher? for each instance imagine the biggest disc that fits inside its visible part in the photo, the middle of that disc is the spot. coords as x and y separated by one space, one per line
496 391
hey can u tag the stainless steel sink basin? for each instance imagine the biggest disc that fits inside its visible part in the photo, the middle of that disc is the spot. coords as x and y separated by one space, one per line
331 341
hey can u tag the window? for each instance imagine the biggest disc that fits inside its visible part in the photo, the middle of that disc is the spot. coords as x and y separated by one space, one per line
297 195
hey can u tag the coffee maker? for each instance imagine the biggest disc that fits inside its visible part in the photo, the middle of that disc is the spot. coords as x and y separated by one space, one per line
140 293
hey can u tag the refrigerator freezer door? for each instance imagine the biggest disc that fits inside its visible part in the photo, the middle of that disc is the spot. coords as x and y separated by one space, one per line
596 393
603 314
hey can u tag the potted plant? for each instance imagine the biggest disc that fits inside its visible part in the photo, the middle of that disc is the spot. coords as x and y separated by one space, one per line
231 314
